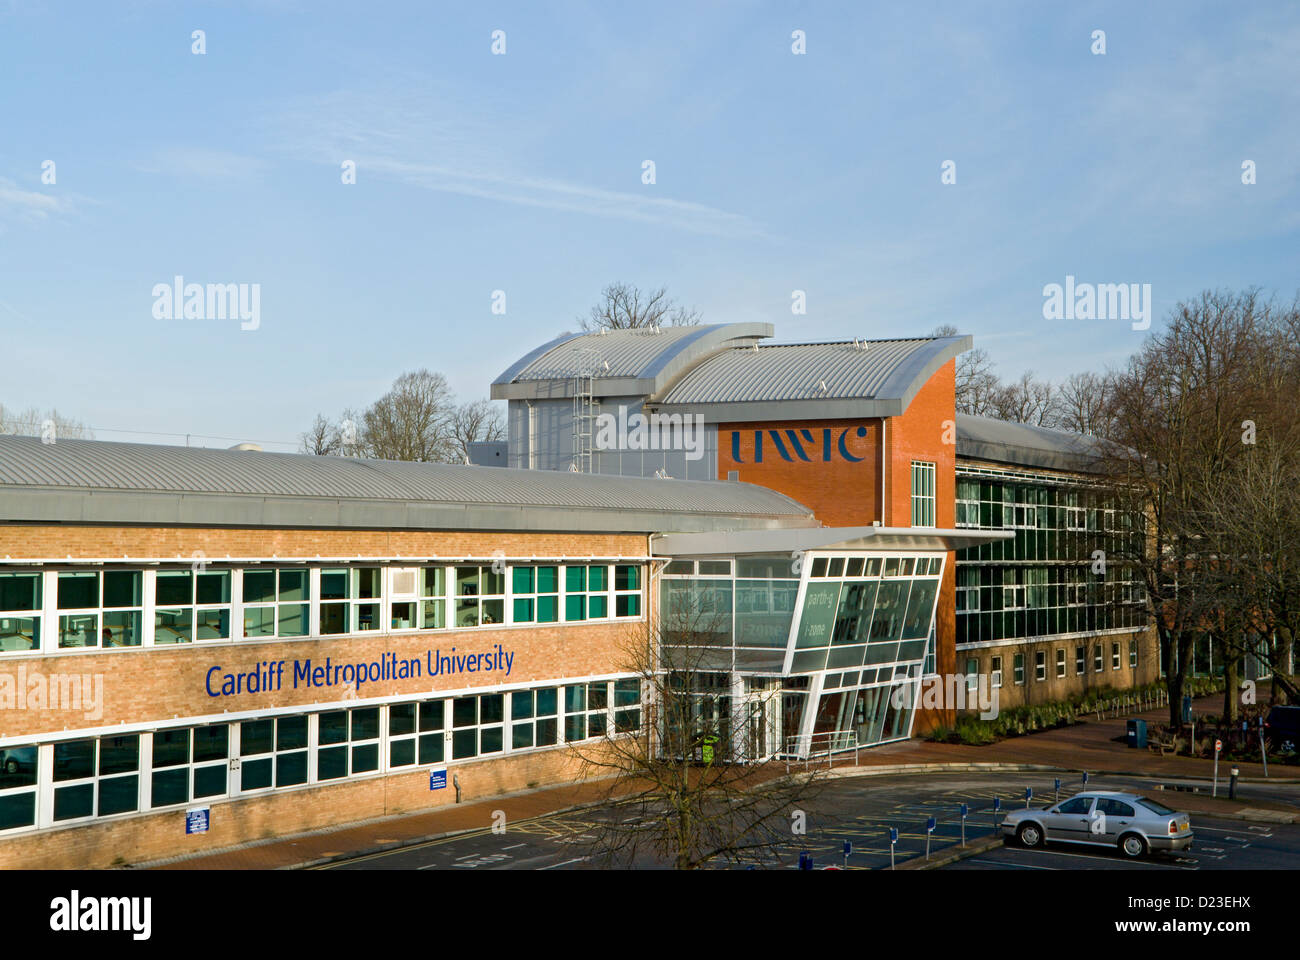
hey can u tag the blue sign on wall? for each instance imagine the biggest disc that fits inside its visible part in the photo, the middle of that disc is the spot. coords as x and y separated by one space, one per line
196 821
437 779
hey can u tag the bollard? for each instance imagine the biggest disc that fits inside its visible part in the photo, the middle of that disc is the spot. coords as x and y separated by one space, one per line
1232 784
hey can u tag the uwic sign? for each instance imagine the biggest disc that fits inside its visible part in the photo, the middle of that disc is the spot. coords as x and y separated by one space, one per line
802 444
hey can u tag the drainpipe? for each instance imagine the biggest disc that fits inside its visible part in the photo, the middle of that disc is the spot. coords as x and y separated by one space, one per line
884 457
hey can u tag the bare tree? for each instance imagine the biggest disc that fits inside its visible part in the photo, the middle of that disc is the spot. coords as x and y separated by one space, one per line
977 385
474 422
623 306
33 423
1027 401
412 421
322 439
690 783
1081 404
1176 414
334 438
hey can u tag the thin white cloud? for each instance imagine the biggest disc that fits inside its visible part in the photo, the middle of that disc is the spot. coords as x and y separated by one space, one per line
203 163
31 204
390 136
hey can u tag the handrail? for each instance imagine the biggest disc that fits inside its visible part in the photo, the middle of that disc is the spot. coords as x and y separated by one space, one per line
804 746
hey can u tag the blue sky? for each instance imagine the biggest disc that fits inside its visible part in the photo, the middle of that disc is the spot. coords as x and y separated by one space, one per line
522 173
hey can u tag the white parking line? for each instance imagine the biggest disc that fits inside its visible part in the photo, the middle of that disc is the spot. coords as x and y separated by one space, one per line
1230 832
1011 863
1084 856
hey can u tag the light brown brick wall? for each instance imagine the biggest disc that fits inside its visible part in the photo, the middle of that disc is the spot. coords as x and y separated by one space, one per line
159 835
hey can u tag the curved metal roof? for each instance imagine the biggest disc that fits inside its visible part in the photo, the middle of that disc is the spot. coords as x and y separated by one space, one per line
1022 444
871 378
88 480
621 362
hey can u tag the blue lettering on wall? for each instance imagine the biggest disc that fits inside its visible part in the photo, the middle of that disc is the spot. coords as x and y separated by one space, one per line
270 676
796 444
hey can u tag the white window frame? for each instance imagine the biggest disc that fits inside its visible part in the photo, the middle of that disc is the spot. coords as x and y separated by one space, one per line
924 499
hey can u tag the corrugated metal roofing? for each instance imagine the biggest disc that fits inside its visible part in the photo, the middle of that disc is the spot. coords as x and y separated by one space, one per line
987 438
619 361
798 371
26 462
628 352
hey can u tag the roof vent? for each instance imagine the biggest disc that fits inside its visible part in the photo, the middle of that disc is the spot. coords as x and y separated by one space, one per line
254 447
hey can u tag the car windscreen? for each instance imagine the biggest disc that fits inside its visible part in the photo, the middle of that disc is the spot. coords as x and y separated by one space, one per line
1159 809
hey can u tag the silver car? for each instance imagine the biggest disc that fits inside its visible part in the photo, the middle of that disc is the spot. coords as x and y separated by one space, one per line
1131 822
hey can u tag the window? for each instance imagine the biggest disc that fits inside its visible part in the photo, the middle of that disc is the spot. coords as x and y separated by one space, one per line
1114 656
1060 663
586 711
96 777
273 751
112 617
534 720
1013 594
922 494
1077 805
404 593
348 742
349 600
20 614
1040 665
1133 652
627 591
1112 807
189 763
972 674
586 592
968 590
415 733
191 605
480 596
1096 658
478 725
275 603
627 705
1078 661
1018 668
536 594
17 787
433 598
997 672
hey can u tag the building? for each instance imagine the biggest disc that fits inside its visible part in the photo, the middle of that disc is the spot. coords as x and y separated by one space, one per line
200 648
865 432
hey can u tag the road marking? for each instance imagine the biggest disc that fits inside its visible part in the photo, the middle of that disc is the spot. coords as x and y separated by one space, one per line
565 863
1012 864
1084 856
1230 832
515 846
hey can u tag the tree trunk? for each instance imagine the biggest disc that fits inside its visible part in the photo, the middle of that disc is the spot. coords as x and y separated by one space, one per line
1231 697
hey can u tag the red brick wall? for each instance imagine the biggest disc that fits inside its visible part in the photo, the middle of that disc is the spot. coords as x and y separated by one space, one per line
843 493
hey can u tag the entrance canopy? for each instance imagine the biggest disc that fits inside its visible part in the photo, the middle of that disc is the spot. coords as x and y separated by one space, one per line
742 542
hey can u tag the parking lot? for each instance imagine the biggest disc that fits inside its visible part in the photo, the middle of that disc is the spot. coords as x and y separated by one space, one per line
861 810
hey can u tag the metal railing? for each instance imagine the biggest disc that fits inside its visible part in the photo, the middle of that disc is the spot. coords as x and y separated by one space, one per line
805 747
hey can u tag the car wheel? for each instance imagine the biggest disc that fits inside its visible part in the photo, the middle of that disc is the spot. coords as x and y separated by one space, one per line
1030 835
1132 846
